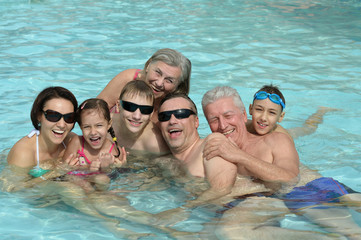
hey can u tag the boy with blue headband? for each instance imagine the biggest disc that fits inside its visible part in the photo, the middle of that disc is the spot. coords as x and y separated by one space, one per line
266 111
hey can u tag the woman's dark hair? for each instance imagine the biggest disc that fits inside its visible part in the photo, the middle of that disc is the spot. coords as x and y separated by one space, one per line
46 95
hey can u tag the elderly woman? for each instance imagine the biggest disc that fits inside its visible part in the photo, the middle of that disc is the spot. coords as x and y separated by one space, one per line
165 72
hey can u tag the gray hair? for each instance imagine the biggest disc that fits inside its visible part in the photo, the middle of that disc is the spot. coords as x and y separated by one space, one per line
174 58
222 92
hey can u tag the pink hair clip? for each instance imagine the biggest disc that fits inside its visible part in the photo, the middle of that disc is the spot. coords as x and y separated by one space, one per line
82 106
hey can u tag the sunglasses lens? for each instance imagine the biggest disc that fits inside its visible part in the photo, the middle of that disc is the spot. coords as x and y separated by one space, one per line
164 116
179 114
52 116
182 113
69 117
146 109
128 106
132 107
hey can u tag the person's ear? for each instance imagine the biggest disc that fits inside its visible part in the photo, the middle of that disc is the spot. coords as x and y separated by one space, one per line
250 109
117 106
281 117
196 122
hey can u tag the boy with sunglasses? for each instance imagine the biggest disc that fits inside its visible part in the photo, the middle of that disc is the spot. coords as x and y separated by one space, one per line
132 124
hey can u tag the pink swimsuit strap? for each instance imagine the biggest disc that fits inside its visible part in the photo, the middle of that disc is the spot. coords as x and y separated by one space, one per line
82 154
136 74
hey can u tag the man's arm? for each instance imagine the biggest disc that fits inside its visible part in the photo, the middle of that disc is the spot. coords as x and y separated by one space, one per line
220 174
283 167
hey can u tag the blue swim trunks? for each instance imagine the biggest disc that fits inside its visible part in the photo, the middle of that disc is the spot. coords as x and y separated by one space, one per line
321 190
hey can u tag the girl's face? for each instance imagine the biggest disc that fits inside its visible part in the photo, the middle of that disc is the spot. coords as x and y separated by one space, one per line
265 115
162 78
94 127
56 132
135 121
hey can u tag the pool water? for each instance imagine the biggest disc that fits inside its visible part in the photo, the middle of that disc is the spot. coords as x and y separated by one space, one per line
310 49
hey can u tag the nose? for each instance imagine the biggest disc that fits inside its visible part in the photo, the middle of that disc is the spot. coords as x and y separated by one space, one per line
61 123
159 82
172 119
222 123
137 114
263 116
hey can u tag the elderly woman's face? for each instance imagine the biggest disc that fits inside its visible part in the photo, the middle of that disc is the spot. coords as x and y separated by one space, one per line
162 78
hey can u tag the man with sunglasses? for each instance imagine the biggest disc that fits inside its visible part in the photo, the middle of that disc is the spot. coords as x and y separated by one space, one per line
178 122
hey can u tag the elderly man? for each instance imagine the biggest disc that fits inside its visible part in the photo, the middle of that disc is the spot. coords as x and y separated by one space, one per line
270 158
178 122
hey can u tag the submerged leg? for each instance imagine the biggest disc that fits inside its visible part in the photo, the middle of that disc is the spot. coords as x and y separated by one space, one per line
335 219
311 124
258 218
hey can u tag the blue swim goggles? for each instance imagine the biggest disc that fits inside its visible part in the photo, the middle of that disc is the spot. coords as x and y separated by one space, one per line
272 96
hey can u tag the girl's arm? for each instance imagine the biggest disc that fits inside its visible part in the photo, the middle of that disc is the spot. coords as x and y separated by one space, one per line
71 149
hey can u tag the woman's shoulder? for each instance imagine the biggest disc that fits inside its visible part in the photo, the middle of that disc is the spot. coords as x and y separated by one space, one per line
22 154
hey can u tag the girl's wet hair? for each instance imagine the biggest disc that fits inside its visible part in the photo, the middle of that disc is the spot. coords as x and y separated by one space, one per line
101 106
46 95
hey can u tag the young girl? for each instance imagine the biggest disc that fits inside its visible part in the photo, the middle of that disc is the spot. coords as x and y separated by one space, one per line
95 152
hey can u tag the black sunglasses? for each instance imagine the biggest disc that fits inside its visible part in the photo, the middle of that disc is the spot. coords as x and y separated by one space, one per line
179 114
54 116
132 107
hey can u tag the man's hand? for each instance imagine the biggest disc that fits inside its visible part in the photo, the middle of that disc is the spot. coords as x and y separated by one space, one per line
217 145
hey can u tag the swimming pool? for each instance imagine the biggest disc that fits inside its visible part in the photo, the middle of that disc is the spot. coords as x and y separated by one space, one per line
310 49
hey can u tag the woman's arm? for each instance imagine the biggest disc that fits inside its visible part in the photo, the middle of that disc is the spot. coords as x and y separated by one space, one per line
111 92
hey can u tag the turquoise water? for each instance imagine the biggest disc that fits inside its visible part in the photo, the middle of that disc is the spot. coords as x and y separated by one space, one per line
310 49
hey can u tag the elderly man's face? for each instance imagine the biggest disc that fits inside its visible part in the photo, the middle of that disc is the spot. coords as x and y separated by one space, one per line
225 117
178 132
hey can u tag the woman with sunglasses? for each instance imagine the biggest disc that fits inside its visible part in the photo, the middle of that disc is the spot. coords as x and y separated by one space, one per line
53 117
165 72
132 125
